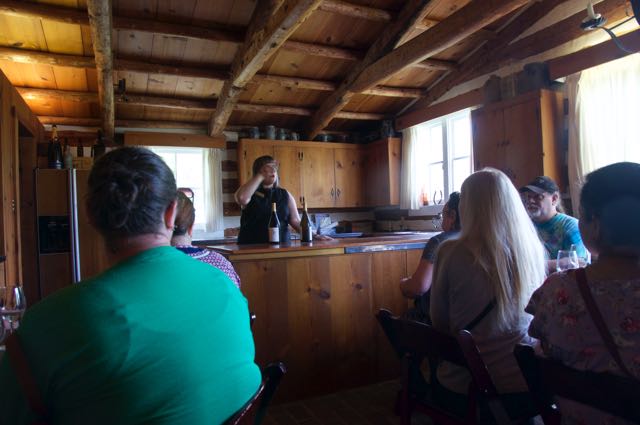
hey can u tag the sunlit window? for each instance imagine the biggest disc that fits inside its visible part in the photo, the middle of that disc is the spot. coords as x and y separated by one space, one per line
188 165
444 147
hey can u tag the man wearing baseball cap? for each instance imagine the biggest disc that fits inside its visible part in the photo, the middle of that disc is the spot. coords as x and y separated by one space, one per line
541 198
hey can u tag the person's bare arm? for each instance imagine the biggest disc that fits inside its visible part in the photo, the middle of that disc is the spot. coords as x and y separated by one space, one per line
245 192
294 217
420 282
294 220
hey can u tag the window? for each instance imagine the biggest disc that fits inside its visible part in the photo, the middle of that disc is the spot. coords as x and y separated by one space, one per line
603 118
189 166
444 149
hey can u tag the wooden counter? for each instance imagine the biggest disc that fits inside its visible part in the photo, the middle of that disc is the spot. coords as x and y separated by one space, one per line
315 308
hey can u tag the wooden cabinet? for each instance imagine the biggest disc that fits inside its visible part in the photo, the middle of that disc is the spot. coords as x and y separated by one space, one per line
349 174
521 137
383 164
327 175
330 175
316 314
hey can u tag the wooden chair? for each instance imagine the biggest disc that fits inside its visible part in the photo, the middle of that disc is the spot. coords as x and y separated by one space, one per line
614 394
414 341
252 413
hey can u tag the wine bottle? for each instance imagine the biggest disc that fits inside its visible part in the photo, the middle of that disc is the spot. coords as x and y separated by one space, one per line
305 225
54 154
274 225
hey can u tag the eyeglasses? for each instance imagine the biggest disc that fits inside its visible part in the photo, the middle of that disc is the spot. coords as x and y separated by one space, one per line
531 196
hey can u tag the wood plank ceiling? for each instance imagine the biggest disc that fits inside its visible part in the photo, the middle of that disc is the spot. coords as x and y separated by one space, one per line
329 70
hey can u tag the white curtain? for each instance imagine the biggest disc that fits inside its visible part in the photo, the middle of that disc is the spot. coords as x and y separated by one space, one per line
213 189
410 186
604 109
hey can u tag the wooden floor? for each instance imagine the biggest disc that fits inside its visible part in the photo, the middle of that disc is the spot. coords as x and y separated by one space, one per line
371 405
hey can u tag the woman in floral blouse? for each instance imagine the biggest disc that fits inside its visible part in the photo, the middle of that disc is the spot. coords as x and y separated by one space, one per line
610 227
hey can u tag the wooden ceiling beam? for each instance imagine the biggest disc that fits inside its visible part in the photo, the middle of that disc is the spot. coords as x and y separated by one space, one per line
73 61
218 34
101 28
261 41
487 52
181 104
554 35
410 13
95 122
355 11
453 29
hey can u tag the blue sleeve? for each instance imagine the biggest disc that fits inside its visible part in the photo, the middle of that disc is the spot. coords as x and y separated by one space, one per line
572 237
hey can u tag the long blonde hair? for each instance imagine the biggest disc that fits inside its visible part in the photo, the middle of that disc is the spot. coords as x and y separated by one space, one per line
501 237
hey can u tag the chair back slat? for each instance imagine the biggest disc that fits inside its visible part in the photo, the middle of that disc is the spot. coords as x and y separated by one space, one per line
414 341
420 339
254 410
614 394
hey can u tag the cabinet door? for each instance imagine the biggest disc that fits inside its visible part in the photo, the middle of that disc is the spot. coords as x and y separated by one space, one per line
318 180
523 142
290 171
248 151
349 171
488 138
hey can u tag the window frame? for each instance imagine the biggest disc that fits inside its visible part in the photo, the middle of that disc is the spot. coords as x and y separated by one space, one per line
447 160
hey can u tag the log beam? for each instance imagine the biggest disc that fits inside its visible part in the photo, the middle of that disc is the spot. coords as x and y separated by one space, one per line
95 123
136 138
125 65
486 53
177 104
101 28
410 13
260 43
453 29
218 34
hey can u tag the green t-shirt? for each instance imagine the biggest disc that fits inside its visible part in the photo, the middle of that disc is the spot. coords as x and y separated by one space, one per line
160 338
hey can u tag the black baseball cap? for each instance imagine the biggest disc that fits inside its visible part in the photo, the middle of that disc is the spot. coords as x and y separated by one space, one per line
541 184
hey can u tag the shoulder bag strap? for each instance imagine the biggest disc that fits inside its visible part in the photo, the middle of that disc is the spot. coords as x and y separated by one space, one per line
24 376
596 316
472 324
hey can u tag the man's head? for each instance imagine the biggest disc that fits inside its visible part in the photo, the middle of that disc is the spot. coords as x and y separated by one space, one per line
541 198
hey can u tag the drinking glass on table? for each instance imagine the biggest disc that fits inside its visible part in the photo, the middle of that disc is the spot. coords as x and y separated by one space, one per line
567 260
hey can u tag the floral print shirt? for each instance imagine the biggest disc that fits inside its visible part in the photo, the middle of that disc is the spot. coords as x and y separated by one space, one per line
566 332
213 258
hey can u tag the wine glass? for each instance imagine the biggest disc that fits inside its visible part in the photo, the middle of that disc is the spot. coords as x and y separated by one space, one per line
17 306
4 324
567 259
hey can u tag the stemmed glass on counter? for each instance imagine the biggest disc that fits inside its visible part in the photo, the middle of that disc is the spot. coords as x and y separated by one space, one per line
11 310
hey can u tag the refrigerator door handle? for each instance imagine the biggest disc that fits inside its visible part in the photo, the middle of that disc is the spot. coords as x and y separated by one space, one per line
75 240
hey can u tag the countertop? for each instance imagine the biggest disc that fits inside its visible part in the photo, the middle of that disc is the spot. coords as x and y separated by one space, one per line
333 247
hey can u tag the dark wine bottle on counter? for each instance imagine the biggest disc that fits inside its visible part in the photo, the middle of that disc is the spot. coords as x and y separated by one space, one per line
305 225
54 152
274 225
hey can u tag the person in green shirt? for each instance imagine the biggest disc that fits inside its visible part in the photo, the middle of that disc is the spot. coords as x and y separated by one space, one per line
159 338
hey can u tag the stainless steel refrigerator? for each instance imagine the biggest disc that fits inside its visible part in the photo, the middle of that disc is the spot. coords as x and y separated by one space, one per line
69 248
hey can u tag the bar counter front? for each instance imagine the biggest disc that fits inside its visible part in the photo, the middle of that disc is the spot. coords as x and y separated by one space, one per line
315 307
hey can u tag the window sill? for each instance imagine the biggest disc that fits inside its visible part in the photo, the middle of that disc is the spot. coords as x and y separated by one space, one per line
427 210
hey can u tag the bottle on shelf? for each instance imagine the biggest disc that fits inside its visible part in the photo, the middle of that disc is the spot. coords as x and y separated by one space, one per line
274 225
68 156
306 230
54 152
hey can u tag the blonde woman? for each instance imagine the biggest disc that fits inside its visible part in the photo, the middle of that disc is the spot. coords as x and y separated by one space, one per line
482 282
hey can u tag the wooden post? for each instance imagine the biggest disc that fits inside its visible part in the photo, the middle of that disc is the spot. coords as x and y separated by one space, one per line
101 28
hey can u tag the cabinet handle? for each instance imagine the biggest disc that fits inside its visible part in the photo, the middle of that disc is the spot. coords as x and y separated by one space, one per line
332 192
338 193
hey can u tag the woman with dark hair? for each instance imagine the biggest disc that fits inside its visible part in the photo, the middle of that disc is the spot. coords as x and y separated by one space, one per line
181 239
255 198
158 338
418 285
563 321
